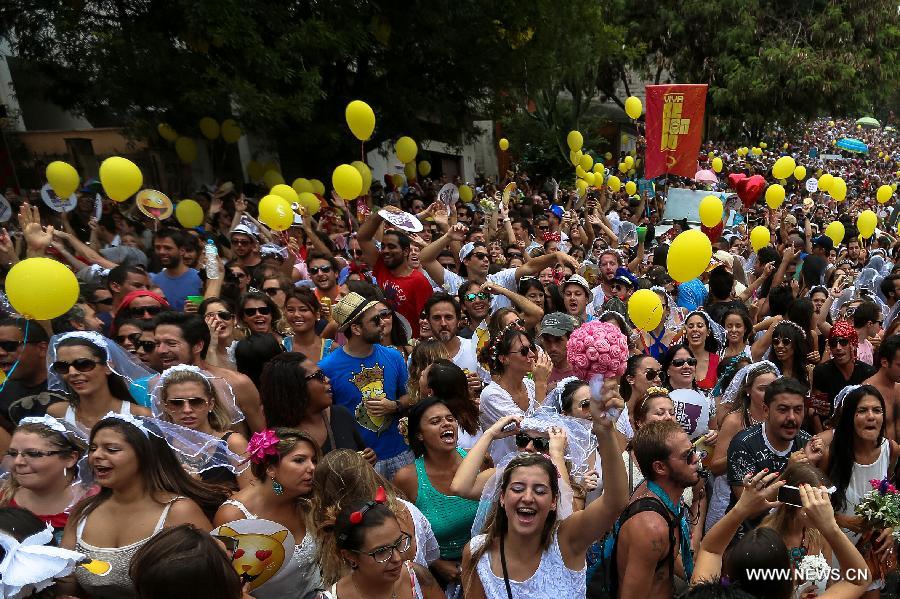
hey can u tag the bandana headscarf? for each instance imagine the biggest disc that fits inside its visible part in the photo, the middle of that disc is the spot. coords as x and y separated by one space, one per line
844 329
552 236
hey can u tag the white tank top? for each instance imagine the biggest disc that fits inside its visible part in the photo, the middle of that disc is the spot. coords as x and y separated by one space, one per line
70 412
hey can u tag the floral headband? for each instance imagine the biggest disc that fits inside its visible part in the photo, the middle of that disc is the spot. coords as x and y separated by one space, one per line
653 392
552 236
495 349
262 444
795 325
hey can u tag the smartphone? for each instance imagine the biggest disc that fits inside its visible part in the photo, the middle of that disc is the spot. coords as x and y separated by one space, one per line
790 495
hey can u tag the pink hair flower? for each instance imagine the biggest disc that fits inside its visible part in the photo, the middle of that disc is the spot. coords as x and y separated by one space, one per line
262 444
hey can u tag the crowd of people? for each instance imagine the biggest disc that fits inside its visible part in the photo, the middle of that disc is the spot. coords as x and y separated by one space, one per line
407 408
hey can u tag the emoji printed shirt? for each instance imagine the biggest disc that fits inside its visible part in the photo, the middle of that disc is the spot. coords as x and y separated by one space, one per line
382 375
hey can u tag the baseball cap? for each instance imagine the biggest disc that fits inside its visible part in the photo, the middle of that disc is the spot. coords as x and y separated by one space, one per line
824 241
465 250
578 280
557 324
351 307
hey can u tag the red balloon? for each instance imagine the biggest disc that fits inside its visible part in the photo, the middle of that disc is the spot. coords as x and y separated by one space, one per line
713 232
750 189
734 179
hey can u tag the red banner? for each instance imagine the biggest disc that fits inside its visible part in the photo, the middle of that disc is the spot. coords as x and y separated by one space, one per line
674 128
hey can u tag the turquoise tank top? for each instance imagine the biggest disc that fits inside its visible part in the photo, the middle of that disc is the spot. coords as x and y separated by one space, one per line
451 517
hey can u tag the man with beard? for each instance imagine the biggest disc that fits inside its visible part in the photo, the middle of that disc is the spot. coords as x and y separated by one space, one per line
176 280
841 370
609 261
854 255
556 328
405 288
887 381
245 247
370 379
184 339
654 529
23 361
443 315
772 442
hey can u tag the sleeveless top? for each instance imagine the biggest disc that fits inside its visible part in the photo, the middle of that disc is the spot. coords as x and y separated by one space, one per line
451 517
551 579
299 577
220 475
413 582
70 413
711 377
115 584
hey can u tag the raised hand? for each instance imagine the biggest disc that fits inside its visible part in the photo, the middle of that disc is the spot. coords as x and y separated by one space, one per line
37 239
609 403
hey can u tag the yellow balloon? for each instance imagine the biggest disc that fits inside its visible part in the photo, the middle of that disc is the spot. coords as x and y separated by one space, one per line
800 173
608 156
710 210
689 255
41 288
166 132
629 161
589 178
645 309
756 151
623 168
838 189
784 167
825 182
275 212
574 140
465 193
424 168
302 185
581 186
835 231
630 188
587 162
710 154
763 145
579 172
883 195
62 177
774 196
406 149
504 144
272 178
231 132
186 149
786 145
285 191
614 183
360 119
410 171
310 202
397 180
759 238
347 181
189 214
254 170
633 108
599 169
209 128
120 177
318 187
866 223
717 164
366 174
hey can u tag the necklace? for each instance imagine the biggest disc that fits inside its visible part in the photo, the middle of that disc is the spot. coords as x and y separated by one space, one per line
356 588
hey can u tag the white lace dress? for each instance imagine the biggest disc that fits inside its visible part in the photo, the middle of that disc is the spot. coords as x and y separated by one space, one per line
551 579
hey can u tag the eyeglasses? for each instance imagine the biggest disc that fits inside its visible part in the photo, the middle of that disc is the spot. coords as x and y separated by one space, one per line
779 341
81 365
835 341
383 315
10 346
679 362
222 314
136 312
384 554
471 297
652 374
176 404
314 270
480 255
33 454
262 310
317 376
271 291
106 301
541 444
525 350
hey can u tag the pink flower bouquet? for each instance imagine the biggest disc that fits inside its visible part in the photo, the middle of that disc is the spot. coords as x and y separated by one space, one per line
597 348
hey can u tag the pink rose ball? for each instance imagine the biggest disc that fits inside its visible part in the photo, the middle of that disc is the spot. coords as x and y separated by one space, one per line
597 348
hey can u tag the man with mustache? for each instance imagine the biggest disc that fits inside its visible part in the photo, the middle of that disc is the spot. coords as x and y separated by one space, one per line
175 278
841 370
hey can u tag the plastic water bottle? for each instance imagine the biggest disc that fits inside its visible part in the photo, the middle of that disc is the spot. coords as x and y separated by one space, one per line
212 260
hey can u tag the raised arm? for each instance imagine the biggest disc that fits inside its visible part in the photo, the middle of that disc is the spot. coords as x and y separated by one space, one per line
429 254
366 234
536 265
469 480
531 312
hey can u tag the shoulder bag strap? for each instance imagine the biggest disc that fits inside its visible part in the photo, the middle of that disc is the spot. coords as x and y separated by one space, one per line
505 573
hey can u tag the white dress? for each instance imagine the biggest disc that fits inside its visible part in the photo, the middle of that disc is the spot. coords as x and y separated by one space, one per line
496 403
427 549
551 579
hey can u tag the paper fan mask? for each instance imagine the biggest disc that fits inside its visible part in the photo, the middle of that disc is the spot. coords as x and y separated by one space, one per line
154 204
264 549
402 220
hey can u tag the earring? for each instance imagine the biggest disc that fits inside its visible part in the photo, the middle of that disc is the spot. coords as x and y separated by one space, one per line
276 486
65 472
353 565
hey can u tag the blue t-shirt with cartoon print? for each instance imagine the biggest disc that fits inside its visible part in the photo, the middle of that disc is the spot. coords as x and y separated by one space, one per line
381 375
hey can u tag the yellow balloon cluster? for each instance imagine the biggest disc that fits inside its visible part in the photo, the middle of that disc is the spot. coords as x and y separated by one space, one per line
63 178
645 309
120 178
689 255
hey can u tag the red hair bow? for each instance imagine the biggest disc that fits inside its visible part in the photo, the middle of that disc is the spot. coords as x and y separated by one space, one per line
380 498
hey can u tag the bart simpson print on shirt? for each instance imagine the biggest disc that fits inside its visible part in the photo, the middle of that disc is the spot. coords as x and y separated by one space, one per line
370 382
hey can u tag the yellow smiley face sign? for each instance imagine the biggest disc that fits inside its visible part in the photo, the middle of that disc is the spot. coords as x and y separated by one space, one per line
154 204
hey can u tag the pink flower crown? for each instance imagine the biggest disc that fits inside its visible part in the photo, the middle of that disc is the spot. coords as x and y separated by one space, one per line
262 444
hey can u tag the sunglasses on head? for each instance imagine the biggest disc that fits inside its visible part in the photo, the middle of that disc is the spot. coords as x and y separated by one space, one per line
262 310
679 362
271 291
10 346
314 270
222 314
471 297
541 444
81 365
178 403
835 341
135 312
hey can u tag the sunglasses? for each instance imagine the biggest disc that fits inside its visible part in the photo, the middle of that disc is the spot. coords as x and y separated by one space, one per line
240 242
134 338
222 314
834 342
33 454
781 341
383 315
585 404
262 310
525 350
146 346
480 255
653 374
690 455
238 274
10 346
317 376
271 291
176 404
106 301
81 365
512 255
679 362
314 270
541 444
471 297
146 310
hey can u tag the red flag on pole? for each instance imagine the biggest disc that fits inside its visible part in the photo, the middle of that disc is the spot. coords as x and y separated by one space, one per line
674 129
